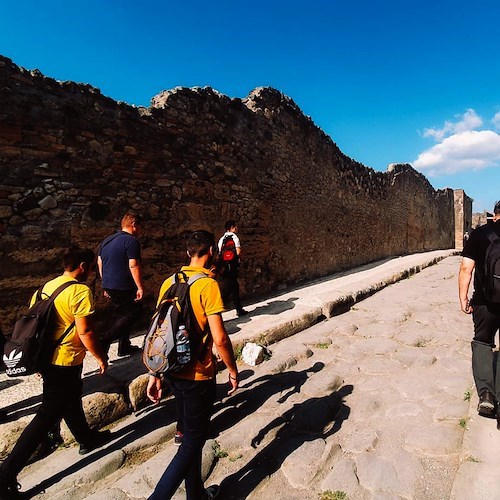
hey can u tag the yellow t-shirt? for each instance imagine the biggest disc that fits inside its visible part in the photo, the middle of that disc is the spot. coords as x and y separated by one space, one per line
76 301
206 300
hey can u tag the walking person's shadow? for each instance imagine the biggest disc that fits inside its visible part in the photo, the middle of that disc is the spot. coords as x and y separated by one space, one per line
316 418
251 396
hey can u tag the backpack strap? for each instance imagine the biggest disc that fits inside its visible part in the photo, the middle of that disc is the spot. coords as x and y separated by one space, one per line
488 231
52 297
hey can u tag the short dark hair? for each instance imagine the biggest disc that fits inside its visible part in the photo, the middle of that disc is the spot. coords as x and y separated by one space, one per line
496 210
130 217
198 243
74 256
229 224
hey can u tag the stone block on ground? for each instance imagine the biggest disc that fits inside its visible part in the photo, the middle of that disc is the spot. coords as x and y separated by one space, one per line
306 462
100 410
442 438
252 354
397 474
137 392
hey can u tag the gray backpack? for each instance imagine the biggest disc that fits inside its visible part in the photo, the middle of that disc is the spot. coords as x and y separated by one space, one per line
167 346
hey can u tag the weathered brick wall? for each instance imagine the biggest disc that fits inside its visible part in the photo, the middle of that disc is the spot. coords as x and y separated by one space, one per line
72 161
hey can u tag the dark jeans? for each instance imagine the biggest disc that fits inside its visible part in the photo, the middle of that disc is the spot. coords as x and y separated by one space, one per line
62 398
230 290
485 363
194 402
125 311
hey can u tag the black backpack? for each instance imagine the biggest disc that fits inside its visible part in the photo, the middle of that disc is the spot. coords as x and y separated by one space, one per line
29 349
163 350
491 285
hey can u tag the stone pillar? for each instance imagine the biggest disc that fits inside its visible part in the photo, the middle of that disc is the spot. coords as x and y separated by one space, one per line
463 217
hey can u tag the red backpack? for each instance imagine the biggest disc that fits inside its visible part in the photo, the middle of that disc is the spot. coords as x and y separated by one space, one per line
228 250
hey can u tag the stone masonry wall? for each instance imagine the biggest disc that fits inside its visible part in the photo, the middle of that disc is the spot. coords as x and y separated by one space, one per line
72 161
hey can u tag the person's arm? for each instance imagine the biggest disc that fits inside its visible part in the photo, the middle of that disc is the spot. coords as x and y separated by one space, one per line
464 278
136 272
224 348
154 389
85 331
99 265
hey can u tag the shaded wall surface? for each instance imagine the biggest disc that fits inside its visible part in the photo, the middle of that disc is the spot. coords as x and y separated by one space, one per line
72 161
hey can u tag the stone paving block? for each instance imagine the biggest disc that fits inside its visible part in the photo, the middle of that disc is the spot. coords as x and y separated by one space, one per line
303 464
404 409
379 365
414 356
375 346
393 474
442 438
323 383
141 481
452 410
476 481
361 441
342 477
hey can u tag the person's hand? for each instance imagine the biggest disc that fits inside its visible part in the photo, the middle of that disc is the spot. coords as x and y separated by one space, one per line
154 390
465 306
106 294
103 365
234 382
139 294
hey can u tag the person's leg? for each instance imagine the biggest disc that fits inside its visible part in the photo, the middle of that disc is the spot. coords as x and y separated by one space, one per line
197 399
236 294
74 415
125 311
47 416
485 327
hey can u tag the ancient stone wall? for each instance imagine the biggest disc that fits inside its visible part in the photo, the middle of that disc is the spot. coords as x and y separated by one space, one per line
72 161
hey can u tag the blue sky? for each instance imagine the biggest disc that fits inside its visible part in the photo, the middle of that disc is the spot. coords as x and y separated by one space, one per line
388 80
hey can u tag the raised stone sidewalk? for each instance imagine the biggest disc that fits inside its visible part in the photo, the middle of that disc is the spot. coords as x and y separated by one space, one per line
377 402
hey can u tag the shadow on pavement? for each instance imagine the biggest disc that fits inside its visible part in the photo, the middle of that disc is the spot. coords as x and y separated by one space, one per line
315 418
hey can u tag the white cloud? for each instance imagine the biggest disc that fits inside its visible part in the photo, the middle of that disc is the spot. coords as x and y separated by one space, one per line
462 151
468 121
496 120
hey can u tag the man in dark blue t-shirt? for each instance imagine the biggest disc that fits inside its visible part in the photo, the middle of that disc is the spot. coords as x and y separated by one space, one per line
485 315
119 261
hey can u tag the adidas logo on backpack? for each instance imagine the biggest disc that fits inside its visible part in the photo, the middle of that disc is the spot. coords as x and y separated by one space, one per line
12 359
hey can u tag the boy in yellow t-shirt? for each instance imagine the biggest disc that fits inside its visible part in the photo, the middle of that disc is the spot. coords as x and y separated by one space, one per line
62 382
194 386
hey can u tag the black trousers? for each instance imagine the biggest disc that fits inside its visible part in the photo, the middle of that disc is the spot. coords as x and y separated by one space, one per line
485 363
194 400
125 310
230 290
61 399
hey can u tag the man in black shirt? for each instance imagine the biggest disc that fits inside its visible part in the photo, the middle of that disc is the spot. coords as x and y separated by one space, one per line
485 315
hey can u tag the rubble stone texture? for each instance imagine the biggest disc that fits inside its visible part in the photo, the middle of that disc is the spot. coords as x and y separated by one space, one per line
73 160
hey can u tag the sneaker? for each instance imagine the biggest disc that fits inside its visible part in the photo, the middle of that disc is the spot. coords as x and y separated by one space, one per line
212 491
486 406
178 438
128 351
97 440
241 312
